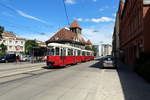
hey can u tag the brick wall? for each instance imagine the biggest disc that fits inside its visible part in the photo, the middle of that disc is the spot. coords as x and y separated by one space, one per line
146 15
131 27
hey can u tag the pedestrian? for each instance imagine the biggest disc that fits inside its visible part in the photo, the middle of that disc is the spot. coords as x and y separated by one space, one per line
17 59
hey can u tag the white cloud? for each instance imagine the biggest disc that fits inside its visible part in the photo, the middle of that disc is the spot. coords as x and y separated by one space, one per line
101 9
21 13
80 19
98 36
40 37
7 14
97 20
94 0
97 33
70 1
114 14
106 7
102 19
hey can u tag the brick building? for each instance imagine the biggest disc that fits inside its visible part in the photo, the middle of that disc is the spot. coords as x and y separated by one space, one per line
116 41
146 17
134 20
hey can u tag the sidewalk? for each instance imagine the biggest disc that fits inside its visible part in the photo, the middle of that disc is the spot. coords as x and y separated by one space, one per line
134 87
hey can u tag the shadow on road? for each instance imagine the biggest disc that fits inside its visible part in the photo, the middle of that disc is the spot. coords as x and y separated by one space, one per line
133 86
58 67
99 64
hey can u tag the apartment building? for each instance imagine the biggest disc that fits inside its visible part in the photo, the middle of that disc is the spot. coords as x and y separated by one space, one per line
14 44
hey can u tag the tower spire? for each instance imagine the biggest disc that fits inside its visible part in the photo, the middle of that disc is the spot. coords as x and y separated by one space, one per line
75 27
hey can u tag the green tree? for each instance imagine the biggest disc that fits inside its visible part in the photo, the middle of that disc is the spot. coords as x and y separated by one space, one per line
88 48
94 50
29 45
1 31
3 49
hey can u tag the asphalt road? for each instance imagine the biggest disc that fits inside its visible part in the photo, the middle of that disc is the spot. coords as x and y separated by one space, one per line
9 69
85 81
11 66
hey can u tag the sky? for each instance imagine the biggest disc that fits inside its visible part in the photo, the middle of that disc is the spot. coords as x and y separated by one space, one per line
41 19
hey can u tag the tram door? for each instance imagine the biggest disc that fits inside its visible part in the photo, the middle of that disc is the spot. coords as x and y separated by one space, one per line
63 55
74 56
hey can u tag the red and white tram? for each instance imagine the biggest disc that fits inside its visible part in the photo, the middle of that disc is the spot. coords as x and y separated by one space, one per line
62 55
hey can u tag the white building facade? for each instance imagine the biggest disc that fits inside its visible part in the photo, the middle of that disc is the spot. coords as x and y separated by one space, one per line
14 44
106 49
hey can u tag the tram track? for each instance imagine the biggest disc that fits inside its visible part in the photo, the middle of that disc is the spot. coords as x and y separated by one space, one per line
18 68
21 76
29 74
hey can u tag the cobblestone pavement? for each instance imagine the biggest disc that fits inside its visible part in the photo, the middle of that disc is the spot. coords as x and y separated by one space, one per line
86 81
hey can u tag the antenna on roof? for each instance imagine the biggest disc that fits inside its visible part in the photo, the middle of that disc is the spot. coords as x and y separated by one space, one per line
66 13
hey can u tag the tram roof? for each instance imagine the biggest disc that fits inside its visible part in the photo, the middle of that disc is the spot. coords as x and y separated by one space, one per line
66 46
62 45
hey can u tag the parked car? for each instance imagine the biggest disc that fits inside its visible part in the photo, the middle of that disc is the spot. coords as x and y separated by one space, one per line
108 62
2 59
8 58
26 58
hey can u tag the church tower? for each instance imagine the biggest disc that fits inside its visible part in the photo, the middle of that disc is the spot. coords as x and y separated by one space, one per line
74 27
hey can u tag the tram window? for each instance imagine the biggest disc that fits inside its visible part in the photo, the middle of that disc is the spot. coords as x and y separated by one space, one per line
74 52
57 51
69 52
87 53
61 52
50 52
79 52
83 53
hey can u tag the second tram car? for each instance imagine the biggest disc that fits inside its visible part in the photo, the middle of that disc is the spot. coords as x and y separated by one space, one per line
62 55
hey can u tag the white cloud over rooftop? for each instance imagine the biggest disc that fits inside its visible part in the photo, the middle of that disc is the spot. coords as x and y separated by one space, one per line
96 20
